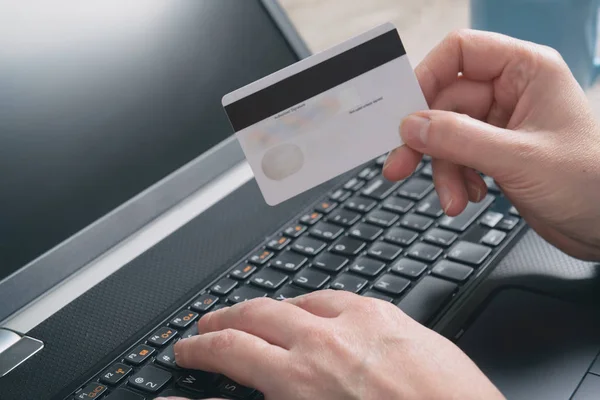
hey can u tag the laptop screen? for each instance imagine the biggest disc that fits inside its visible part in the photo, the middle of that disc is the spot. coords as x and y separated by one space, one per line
100 100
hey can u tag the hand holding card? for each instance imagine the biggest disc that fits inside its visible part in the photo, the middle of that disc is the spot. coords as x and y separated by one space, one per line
326 114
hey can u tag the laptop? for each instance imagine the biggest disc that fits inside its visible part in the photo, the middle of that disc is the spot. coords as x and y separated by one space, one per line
128 210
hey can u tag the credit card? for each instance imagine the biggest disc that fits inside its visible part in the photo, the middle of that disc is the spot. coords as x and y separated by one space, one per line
325 114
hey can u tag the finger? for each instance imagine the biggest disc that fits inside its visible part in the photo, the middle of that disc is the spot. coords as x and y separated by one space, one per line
474 99
450 186
245 358
463 140
476 186
278 323
466 96
401 163
325 303
479 56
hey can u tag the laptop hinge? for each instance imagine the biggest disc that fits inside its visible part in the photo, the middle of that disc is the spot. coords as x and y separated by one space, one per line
16 349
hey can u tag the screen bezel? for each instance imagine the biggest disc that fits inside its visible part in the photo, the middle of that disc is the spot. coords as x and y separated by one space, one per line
38 276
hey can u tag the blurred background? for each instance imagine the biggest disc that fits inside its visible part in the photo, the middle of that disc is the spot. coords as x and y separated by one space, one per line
567 25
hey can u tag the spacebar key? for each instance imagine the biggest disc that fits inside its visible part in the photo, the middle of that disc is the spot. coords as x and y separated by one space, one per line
462 221
425 299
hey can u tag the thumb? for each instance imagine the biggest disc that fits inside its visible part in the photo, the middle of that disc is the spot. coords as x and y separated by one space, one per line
466 141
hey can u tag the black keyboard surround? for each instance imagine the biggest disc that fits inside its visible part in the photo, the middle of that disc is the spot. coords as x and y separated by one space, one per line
387 240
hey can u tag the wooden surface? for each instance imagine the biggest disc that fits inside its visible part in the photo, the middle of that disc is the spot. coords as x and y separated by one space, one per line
421 23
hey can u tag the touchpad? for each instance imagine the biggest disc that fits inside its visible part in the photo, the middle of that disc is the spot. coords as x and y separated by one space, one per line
533 346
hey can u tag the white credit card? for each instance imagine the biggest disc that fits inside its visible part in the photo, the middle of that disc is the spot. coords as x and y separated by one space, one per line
326 114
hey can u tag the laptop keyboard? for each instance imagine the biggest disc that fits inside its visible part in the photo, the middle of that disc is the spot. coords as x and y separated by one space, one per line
381 239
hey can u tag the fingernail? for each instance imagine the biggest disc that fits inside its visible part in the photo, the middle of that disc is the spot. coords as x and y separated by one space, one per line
389 159
475 189
414 129
445 198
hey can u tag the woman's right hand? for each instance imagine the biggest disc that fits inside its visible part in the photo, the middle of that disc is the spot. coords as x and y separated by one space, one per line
513 111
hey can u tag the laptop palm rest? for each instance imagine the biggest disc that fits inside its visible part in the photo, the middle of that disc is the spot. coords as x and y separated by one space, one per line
534 346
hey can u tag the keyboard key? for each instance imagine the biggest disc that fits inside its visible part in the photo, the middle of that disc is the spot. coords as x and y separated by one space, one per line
397 205
391 284
140 354
469 253
192 331
204 302
359 185
430 206
124 394
288 292
311 218
451 270
311 279
279 243
409 268
424 252
366 232
183 319
378 295
440 237
508 223
172 392
381 160
325 207
347 246
491 184
288 261
349 282
261 257
415 188
360 204
308 246
384 251
150 379
269 279
379 188
294 231
426 298
400 236
219 306
245 293
196 381
381 218
491 219
325 231
367 266
243 271
416 222
351 183
115 374
493 237
166 358
91 391
233 389
369 173
427 170
343 217
330 262
223 286
463 220
513 211
340 195
162 336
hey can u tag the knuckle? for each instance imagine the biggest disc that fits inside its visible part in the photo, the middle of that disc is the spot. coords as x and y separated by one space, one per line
247 310
458 35
223 340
